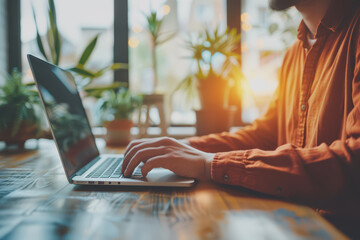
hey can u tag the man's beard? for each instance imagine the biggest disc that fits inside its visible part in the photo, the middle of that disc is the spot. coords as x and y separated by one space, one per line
280 5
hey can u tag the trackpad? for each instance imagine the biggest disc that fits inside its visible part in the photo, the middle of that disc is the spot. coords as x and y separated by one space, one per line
163 175
160 177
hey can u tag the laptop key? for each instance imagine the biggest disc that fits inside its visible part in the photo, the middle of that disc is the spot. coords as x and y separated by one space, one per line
137 173
116 175
117 172
106 169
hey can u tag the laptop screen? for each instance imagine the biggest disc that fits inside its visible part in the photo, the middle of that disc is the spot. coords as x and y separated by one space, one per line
66 115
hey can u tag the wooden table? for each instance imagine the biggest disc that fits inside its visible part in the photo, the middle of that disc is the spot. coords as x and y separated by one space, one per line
37 202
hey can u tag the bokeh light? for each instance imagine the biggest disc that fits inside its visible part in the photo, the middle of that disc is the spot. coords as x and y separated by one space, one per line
166 9
133 42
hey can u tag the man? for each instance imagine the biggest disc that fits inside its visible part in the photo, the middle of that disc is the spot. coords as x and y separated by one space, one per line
307 146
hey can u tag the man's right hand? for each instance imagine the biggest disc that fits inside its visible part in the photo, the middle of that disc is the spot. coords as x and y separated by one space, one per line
167 153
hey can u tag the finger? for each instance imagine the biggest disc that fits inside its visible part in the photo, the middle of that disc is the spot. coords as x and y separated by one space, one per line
156 162
142 140
142 156
146 144
131 152
134 143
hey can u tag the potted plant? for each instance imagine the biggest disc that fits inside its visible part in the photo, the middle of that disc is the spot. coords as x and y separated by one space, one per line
115 109
19 118
217 67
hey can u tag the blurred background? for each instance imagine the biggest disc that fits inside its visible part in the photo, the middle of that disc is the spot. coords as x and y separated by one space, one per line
265 36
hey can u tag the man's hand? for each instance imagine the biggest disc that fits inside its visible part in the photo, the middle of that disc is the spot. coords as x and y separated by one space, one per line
167 153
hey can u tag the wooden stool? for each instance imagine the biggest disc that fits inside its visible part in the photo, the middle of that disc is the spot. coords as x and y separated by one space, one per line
152 100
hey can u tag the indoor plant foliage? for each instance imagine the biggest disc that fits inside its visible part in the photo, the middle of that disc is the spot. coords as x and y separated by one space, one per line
51 51
154 25
216 60
115 108
217 67
19 110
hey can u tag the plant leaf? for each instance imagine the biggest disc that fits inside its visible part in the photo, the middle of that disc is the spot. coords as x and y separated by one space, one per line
29 84
55 32
114 66
52 9
97 91
117 66
82 72
38 37
88 50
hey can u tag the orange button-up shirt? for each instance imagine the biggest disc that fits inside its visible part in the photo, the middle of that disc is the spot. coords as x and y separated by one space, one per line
307 146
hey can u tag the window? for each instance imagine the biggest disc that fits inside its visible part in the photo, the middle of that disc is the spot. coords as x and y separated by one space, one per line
185 18
79 22
265 37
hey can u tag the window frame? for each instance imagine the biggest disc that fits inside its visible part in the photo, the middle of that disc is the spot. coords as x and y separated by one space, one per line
13 35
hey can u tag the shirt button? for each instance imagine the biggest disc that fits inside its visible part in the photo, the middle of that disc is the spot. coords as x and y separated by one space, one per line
303 107
226 178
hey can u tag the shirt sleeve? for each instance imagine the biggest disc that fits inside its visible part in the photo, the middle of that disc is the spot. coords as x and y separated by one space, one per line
288 171
261 134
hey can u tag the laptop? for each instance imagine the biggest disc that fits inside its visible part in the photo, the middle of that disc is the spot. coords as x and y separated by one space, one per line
81 160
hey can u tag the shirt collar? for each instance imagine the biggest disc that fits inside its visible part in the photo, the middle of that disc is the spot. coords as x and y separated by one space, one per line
337 11
334 16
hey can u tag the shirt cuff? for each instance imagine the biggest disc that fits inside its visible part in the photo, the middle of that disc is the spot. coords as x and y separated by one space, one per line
221 170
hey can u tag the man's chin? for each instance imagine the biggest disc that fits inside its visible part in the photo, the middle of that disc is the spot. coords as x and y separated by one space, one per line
279 5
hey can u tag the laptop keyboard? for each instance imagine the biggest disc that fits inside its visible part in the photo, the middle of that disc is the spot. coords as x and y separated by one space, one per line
111 168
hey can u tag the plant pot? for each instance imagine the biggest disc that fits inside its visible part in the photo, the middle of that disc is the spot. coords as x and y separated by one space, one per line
118 132
213 120
213 93
214 116
26 131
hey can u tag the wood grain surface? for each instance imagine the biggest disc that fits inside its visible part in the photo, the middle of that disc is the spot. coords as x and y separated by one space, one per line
37 202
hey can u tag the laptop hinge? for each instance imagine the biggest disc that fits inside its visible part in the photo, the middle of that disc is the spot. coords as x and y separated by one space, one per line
85 168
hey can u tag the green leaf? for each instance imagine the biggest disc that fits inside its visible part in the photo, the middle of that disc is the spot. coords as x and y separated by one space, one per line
88 50
30 84
97 91
38 37
118 104
55 32
52 9
115 66
82 72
